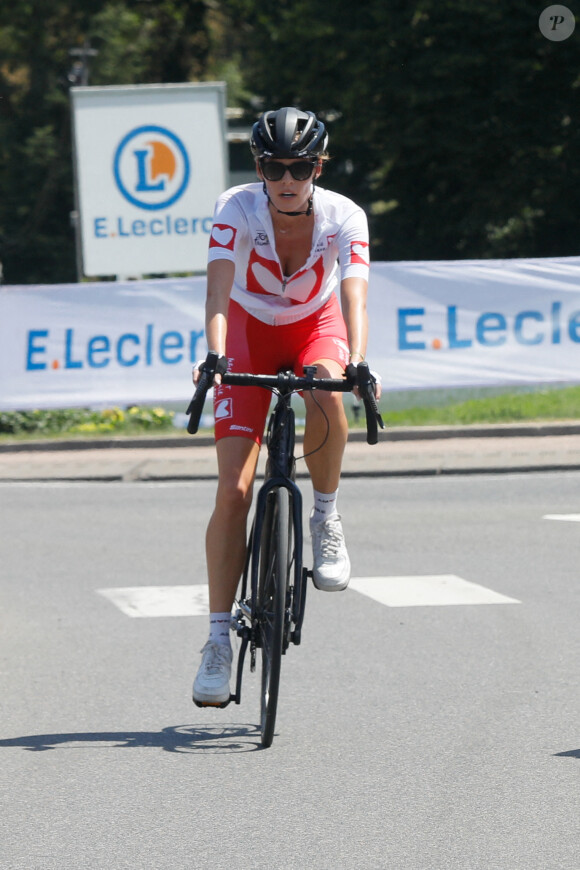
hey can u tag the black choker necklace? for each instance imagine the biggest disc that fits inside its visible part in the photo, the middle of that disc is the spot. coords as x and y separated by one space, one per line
308 211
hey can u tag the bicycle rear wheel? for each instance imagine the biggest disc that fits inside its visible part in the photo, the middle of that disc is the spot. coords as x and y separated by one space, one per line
273 581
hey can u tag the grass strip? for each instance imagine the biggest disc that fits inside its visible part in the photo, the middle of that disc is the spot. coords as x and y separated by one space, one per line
549 404
561 404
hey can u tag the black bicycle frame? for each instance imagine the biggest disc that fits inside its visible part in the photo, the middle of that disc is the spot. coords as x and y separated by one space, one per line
279 473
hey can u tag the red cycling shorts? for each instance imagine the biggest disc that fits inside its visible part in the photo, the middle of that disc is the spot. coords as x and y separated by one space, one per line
256 347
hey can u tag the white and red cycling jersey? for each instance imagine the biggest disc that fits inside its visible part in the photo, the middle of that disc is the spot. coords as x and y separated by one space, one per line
243 233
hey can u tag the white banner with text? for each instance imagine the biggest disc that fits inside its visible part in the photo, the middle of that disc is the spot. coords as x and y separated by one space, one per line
432 324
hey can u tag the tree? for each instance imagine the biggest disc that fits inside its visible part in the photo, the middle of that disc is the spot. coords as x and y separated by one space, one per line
453 122
456 120
137 42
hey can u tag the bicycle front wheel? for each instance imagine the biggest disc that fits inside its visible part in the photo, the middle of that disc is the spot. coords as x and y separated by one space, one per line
272 585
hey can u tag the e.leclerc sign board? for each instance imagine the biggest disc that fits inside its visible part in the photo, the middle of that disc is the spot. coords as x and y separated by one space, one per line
150 162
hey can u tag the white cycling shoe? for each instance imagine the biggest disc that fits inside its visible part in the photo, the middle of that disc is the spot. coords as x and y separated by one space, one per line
211 687
331 571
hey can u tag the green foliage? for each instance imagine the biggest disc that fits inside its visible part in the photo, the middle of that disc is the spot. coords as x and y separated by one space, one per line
138 41
507 408
456 120
79 421
547 404
453 122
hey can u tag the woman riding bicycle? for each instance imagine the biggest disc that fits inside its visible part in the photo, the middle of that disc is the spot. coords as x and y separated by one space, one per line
278 250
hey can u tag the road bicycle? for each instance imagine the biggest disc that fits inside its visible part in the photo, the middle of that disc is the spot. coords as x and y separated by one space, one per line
269 610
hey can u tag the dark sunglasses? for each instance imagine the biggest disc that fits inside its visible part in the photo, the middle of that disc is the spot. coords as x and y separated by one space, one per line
273 170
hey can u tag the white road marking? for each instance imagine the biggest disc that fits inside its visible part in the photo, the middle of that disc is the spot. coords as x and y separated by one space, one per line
144 601
570 518
430 590
411 591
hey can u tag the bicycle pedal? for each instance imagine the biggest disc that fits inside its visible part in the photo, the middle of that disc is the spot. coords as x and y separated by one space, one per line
219 705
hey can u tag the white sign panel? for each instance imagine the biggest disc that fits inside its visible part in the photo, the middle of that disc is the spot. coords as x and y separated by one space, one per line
100 344
150 163
466 323
432 324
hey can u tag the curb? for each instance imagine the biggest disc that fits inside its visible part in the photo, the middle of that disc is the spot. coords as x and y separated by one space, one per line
383 474
412 433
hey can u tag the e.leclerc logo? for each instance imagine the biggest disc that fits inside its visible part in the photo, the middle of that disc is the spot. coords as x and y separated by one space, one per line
152 171
151 167
491 329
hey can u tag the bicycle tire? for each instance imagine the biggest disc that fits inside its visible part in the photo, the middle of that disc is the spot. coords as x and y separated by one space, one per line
272 586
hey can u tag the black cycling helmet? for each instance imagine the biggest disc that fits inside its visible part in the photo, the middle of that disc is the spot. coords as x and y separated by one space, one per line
288 133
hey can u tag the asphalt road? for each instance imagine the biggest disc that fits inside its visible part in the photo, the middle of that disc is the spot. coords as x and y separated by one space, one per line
420 736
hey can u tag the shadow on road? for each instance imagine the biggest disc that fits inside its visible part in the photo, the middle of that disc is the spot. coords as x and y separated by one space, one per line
176 738
572 753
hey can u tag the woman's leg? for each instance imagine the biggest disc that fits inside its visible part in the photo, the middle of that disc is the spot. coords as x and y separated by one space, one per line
226 531
225 551
331 564
325 463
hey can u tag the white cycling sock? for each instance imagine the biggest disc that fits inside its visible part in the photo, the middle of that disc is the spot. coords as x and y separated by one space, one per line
324 505
219 627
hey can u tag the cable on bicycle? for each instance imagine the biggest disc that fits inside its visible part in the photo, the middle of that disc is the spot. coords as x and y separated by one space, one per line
325 439
360 376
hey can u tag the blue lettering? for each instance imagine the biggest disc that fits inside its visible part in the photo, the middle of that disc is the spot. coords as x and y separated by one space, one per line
530 328
404 328
170 341
98 345
193 339
574 326
490 322
156 227
149 345
143 185
34 348
556 309
69 362
123 339
455 342
142 348
519 325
